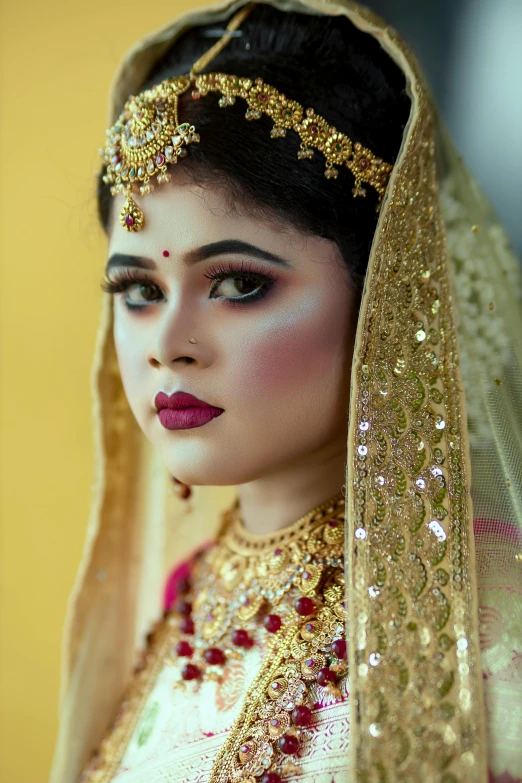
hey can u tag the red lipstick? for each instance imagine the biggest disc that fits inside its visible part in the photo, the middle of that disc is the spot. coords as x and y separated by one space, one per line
182 411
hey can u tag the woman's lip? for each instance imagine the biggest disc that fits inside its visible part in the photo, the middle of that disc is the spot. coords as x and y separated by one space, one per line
179 400
187 418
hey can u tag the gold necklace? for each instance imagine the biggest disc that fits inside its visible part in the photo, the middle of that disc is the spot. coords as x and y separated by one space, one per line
297 572
284 592
241 587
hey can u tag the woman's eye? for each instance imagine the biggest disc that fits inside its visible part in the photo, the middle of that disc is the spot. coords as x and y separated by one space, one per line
239 286
233 286
146 290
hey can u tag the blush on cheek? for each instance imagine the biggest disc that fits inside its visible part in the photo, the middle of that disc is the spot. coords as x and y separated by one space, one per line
296 358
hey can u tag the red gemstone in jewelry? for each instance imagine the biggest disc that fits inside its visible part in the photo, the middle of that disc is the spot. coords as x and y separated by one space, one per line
339 648
190 672
310 663
241 638
160 160
363 164
288 744
184 608
326 676
272 623
196 95
274 722
333 523
245 748
214 656
271 777
115 159
184 649
186 625
304 606
306 575
301 715
263 97
183 586
275 686
277 552
129 220
309 627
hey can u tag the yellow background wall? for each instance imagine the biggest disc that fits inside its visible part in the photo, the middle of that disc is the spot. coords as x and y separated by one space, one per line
56 62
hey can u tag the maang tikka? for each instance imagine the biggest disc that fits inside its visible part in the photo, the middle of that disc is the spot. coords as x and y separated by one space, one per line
148 136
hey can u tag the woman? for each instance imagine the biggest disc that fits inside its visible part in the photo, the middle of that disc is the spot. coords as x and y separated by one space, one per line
323 616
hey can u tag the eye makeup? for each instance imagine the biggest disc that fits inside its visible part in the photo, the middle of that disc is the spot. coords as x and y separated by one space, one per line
125 278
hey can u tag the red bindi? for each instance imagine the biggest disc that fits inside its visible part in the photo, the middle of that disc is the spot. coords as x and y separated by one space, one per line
166 253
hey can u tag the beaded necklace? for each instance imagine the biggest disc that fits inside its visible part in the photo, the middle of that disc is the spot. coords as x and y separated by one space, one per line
284 592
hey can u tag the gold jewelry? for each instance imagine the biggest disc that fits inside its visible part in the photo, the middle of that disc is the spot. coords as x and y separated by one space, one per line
283 591
277 719
183 491
148 136
241 581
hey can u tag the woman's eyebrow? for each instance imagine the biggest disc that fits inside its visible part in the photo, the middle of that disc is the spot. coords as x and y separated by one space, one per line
230 246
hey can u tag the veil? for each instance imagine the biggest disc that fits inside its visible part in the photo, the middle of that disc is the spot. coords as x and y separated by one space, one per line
433 525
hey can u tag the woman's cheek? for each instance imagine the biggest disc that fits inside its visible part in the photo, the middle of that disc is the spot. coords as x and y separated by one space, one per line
291 356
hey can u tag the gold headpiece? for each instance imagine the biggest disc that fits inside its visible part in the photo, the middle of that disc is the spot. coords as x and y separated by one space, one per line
147 135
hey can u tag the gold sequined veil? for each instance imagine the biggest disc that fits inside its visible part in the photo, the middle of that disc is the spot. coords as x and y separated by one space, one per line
434 478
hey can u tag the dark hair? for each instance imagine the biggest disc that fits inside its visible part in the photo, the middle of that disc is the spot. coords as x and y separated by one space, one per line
320 61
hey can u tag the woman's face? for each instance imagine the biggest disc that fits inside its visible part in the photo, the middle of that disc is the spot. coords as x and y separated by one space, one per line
274 334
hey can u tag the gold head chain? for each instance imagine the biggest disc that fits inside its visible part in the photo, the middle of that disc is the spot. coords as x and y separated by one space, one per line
148 136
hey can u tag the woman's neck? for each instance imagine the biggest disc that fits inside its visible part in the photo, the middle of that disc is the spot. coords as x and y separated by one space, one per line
278 499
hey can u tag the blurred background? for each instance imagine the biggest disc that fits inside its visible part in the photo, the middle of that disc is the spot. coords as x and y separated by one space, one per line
56 63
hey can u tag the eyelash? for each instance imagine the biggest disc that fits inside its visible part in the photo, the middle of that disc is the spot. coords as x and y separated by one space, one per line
126 278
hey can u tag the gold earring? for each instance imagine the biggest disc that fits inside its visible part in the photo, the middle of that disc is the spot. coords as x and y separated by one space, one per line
183 491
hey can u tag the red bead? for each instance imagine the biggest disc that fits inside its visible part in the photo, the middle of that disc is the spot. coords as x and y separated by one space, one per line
184 648
184 608
190 672
339 648
271 777
301 715
186 625
325 676
183 586
304 606
214 656
272 623
288 743
241 638
129 220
